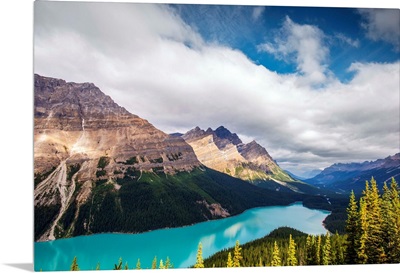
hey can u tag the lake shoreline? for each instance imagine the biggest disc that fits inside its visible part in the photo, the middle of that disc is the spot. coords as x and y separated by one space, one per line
179 244
167 228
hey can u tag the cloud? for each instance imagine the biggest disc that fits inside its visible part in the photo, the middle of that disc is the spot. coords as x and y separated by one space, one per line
382 24
347 40
257 11
302 45
152 63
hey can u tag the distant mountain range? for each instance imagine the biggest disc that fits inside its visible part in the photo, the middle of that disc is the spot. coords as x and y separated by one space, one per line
344 177
99 168
305 175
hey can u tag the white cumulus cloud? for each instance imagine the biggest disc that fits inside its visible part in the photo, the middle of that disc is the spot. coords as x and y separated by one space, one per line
303 45
382 24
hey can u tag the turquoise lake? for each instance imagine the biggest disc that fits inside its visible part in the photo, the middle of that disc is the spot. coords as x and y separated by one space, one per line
179 244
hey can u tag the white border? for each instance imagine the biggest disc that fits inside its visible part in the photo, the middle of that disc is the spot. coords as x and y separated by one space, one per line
16 151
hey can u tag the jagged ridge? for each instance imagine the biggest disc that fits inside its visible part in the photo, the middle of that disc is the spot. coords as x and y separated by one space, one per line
224 151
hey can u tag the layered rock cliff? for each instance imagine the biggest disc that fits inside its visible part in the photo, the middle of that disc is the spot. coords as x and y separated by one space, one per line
76 122
224 151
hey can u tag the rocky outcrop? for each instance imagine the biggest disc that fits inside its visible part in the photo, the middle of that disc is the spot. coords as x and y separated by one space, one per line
78 122
224 151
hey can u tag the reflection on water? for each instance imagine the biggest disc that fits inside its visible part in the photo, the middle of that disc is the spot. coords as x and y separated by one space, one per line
179 244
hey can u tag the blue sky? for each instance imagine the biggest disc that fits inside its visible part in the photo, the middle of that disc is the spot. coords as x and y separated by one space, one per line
314 86
246 27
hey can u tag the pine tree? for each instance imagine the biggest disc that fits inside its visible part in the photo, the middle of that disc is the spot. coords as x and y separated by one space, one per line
374 240
310 253
318 251
168 263
119 266
291 259
276 259
74 265
154 263
338 249
237 255
387 221
229 262
126 267
161 266
138 264
98 266
199 258
361 248
394 236
352 230
326 251
260 263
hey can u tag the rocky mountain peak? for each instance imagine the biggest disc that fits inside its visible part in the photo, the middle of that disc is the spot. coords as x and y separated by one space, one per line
77 121
223 150
224 133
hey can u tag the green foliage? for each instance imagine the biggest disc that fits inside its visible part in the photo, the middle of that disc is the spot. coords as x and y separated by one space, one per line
103 162
237 255
326 251
261 248
174 157
138 264
72 169
74 265
199 257
276 259
229 262
44 216
148 201
131 161
285 246
100 173
119 265
373 229
168 263
391 221
69 215
39 177
353 230
154 263
157 160
161 266
291 260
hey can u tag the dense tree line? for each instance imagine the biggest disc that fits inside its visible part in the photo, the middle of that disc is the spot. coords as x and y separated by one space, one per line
148 201
373 225
286 247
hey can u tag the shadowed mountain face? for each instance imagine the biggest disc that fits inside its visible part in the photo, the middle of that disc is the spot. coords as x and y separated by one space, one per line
352 176
99 168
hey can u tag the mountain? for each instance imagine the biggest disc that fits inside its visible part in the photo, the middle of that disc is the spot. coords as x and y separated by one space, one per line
344 177
223 151
304 175
99 168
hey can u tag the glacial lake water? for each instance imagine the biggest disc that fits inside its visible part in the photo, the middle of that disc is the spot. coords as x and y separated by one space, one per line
179 244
